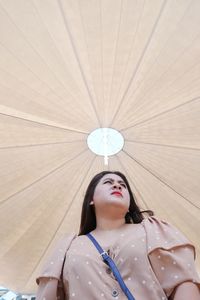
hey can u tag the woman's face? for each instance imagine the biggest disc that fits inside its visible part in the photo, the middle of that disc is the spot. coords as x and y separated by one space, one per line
111 191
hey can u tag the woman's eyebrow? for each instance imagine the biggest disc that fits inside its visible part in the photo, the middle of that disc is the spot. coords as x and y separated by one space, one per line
108 179
119 181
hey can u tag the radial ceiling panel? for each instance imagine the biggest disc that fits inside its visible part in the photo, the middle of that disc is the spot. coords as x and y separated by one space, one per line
68 67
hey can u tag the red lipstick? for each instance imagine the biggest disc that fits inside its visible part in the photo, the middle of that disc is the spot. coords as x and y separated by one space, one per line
116 193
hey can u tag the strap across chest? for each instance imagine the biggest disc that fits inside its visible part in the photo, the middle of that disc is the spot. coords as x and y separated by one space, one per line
108 260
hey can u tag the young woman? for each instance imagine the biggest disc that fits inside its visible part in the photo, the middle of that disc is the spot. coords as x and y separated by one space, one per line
154 259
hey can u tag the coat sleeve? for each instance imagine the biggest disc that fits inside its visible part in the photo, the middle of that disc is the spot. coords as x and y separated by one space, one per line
49 282
171 255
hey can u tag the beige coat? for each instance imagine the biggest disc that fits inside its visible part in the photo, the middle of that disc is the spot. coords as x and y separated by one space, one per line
153 258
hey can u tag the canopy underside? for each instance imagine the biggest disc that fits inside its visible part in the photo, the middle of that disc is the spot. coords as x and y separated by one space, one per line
68 67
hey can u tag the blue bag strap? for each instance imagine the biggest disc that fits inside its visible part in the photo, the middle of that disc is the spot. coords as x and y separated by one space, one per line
108 260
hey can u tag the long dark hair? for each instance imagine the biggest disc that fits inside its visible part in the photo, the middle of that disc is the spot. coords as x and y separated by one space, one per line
88 217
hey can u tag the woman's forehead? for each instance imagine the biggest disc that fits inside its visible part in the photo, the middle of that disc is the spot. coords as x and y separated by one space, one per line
112 176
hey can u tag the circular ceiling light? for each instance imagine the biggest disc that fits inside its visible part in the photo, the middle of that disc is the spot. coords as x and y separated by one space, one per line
105 142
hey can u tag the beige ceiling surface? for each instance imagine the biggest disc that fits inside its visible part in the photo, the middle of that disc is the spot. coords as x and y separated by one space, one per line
68 67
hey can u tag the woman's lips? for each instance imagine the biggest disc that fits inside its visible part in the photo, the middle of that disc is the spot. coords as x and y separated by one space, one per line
116 193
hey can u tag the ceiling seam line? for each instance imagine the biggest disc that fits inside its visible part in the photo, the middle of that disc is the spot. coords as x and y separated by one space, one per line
78 60
33 91
41 178
101 43
44 124
140 59
161 113
38 145
88 56
24 37
157 177
162 145
115 55
156 59
27 86
54 42
32 72
66 212
171 84
132 43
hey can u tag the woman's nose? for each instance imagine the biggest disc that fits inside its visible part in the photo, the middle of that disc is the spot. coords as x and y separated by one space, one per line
117 186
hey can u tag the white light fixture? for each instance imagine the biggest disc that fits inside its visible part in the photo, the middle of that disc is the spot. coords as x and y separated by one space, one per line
105 142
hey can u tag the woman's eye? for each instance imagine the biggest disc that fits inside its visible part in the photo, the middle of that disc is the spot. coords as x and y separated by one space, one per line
107 181
123 184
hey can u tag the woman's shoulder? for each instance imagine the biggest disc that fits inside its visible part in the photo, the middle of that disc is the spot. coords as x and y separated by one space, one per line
67 239
157 226
63 243
154 221
161 233
52 265
160 225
